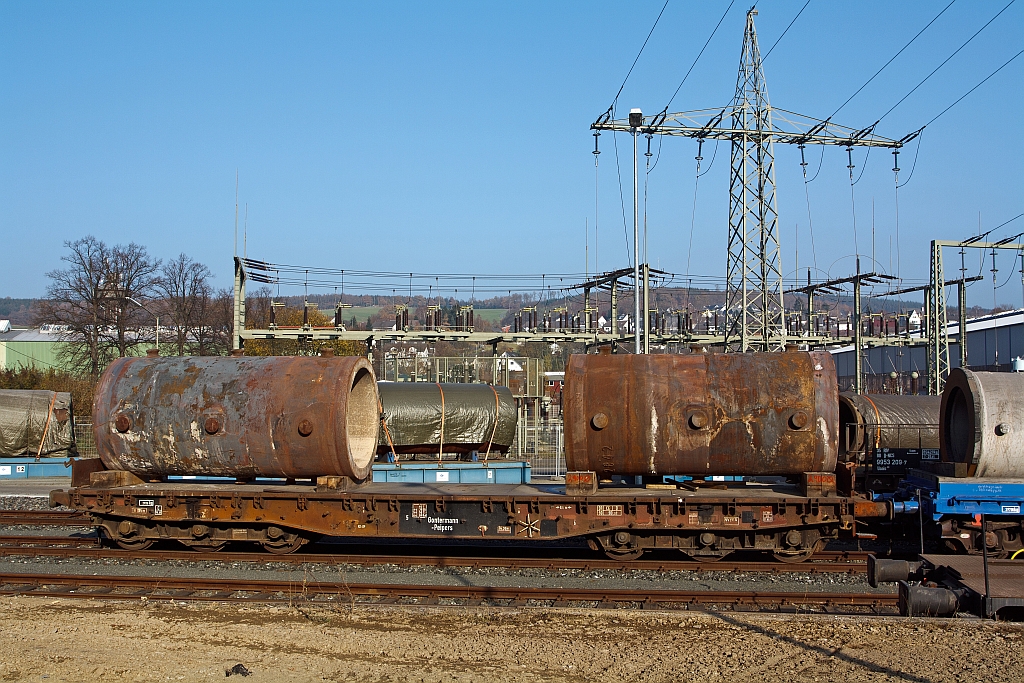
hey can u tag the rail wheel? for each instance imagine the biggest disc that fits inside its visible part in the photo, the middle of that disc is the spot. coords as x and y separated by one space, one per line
280 542
793 556
135 543
708 557
625 555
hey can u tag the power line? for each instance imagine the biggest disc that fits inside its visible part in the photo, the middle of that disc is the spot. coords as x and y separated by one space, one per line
946 60
1006 63
616 98
708 42
893 58
789 27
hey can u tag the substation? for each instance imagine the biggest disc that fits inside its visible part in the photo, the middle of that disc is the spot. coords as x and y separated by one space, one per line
747 432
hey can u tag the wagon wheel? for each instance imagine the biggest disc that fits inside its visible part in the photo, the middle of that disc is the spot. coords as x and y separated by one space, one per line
284 547
625 555
206 548
798 555
707 558
793 556
135 543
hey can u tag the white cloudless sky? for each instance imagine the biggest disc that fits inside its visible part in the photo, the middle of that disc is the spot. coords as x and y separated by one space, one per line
454 137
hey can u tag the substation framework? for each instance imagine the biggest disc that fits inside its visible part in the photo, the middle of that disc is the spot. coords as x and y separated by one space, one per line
755 307
754 288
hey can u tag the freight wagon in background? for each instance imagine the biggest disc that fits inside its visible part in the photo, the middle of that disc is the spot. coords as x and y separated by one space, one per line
313 424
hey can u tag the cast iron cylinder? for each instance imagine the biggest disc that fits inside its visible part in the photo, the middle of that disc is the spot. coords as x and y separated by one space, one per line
701 414
242 417
982 422
869 422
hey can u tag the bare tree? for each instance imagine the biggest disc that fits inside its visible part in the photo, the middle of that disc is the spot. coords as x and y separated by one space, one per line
88 302
215 334
184 289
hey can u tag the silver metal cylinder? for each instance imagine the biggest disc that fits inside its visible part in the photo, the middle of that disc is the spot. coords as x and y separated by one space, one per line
982 422
868 422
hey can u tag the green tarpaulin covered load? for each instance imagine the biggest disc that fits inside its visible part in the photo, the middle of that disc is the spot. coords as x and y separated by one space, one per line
454 418
35 422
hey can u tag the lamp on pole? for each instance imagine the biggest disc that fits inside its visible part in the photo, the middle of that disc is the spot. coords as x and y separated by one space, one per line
157 326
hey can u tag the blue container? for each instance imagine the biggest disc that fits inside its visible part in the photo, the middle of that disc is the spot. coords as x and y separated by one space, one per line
27 467
493 472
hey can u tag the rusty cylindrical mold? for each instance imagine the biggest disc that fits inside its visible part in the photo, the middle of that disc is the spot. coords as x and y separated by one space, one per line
243 417
982 422
701 414
869 422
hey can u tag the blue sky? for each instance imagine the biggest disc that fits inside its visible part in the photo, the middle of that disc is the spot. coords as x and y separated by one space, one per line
454 137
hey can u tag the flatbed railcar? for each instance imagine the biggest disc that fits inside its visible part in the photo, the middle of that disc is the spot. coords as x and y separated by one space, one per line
790 521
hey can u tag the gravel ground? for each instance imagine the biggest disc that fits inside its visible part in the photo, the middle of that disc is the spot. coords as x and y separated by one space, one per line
67 640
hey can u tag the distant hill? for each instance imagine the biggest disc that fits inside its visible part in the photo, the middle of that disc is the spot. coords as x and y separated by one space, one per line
18 311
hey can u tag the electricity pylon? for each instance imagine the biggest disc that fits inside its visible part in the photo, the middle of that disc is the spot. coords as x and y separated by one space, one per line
754 296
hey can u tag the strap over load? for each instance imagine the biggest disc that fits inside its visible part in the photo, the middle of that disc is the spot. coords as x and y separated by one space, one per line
36 422
422 417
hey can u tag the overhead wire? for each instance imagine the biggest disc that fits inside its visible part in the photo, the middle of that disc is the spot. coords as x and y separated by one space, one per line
706 43
891 59
628 73
981 83
955 52
777 40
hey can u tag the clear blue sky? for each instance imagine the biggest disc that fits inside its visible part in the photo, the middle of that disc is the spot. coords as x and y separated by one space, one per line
454 137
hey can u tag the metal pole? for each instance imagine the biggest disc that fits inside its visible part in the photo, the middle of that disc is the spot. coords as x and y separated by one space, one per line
984 562
858 362
961 302
615 307
638 321
647 305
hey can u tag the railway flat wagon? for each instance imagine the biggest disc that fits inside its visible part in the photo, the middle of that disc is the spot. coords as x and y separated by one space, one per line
789 521
296 436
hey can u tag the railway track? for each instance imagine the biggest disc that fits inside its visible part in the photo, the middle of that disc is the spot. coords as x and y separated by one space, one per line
351 594
89 547
44 518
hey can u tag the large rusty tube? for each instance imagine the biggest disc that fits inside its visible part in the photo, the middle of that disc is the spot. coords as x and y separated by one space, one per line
869 422
982 422
244 417
701 414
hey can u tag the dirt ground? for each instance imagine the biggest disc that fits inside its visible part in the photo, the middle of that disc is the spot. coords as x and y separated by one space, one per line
78 640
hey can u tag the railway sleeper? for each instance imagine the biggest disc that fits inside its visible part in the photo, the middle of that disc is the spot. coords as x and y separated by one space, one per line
141 534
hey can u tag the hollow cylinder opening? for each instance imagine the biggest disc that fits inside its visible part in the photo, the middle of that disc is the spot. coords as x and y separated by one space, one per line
958 433
363 419
848 432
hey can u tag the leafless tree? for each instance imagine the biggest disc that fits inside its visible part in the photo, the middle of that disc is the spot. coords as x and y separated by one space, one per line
185 293
215 334
89 304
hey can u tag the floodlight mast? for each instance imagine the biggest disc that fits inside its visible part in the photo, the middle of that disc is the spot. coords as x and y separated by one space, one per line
754 295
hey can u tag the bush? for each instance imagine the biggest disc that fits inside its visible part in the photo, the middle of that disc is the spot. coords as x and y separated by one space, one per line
80 388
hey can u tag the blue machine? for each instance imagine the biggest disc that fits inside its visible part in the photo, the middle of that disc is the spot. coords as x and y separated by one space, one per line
956 506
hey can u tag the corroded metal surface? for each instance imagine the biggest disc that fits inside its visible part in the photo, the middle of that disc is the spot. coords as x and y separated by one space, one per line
291 417
869 422
701 414
982 422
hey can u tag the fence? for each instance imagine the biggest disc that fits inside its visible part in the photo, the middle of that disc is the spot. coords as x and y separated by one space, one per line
543 445
84 439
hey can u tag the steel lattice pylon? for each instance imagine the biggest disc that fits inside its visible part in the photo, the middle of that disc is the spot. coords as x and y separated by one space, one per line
754 303
754 270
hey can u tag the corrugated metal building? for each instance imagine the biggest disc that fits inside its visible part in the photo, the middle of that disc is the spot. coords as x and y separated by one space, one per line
993 341
29 348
